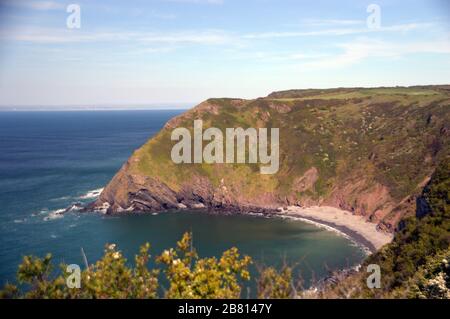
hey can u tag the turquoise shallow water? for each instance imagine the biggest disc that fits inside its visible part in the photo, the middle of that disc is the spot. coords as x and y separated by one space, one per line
49 160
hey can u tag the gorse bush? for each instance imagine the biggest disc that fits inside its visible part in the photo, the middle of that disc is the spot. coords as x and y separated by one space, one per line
274 284
192 277
188 275
433 279
110 277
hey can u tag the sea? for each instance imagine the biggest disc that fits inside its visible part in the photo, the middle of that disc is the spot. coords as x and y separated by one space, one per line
52 160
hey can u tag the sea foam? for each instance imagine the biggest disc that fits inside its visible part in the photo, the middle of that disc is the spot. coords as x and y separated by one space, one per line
55 214
92 194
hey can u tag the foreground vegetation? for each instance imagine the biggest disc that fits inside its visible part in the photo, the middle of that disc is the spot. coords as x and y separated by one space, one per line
415 265
188 276
111 277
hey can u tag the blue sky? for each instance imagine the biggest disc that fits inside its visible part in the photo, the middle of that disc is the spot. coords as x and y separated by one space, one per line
184 51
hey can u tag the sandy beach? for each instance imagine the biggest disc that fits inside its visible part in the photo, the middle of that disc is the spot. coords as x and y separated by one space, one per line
354 226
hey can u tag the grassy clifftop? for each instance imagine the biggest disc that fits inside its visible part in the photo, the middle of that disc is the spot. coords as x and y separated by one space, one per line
370 151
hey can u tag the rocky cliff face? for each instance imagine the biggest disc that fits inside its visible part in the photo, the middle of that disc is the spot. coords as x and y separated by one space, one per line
370 151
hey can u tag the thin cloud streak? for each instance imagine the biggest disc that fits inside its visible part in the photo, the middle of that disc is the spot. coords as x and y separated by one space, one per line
338 31
206 37
35 5
55 36
330 22
357 51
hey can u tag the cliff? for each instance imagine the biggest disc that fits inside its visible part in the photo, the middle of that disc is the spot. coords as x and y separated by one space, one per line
416 263
369 151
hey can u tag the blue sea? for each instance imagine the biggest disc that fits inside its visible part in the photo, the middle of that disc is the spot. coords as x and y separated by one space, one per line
52 160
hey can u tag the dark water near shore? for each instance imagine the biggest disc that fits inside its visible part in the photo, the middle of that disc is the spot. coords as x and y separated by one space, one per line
49 160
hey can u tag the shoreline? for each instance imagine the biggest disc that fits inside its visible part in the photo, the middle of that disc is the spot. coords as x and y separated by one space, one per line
343 231
355 227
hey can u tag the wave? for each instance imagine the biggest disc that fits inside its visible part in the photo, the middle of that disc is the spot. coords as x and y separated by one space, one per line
89 195
92 194
43 211
73 208
58 199
58 213
55 214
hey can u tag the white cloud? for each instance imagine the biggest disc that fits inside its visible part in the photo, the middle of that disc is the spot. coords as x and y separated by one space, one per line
357 51
348 53
338 31
205 37
35 5
331 22
62 35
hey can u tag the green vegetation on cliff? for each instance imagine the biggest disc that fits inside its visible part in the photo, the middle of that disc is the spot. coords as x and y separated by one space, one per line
416 263
369 151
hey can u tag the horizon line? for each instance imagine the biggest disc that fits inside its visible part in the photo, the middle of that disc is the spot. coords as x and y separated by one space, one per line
181 105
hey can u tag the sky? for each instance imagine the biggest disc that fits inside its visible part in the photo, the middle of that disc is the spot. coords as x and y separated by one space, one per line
180 52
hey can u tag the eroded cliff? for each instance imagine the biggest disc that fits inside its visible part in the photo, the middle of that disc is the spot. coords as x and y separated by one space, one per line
369 151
